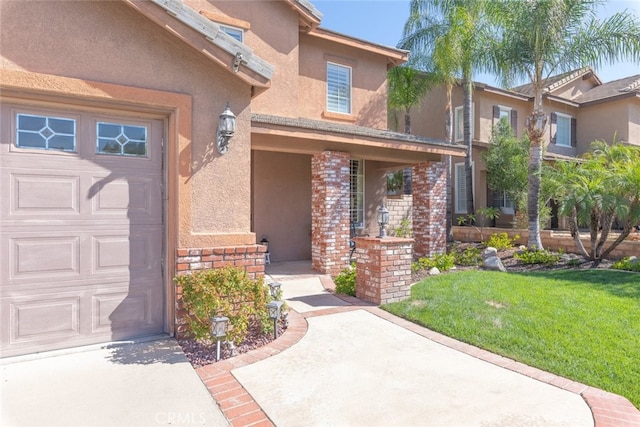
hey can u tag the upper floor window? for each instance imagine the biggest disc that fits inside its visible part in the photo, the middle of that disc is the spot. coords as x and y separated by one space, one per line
563 130
338 88
500 112
458 121
236 33
45 132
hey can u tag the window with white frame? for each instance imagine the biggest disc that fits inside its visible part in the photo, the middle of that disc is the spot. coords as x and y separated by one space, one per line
45 132
356 196
236 33
338 88
502 200
461 188
458 121
562 135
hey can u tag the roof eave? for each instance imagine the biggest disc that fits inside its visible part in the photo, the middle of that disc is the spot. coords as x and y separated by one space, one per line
394 55
207 37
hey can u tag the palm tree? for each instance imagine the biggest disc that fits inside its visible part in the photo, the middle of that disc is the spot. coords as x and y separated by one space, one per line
545 37
605 186
443 36
407 86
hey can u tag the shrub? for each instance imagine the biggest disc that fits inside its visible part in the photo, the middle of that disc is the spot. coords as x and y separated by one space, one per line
442 262
627 264
404 229
501 241
535 256
224 292
346 281
471 256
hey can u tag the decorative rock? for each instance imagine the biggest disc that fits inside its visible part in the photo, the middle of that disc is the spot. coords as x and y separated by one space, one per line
434 271
489 253
493 263
634 260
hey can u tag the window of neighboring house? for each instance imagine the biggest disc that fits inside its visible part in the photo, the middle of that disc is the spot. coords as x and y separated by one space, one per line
458 120
236 33
338 88
503 201
461 188
45 132
563 130
356 197
507 113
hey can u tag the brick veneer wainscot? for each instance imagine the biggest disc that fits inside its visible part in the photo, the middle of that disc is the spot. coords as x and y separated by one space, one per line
383 269
429 188
251 258
330 175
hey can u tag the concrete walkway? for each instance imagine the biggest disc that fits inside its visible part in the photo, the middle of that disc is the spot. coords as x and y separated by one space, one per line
343 362
143 384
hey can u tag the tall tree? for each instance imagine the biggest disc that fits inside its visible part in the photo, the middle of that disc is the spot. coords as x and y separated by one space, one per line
407 87
444 37
540 38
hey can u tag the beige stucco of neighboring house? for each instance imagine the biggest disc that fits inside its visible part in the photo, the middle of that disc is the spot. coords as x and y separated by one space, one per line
601 110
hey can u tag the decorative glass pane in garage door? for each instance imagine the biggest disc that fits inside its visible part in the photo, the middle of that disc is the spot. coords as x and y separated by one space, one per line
45 132
122 140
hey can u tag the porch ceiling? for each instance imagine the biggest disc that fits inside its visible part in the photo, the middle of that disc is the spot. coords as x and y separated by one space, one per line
305 136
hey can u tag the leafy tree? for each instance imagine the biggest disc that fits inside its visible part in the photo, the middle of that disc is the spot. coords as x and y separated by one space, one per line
544 37
506 162
605 186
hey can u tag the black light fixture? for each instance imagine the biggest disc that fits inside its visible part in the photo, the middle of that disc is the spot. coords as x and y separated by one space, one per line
274 313
265 242
274 290
383 220
218 330
226 130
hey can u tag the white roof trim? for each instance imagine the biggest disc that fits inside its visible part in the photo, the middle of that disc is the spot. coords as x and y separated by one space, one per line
215 35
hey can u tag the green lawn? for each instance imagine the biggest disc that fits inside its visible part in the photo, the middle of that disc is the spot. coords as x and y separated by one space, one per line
583 325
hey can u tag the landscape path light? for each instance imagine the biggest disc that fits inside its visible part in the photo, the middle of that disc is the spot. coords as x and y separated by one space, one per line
274 313
218 330
274 289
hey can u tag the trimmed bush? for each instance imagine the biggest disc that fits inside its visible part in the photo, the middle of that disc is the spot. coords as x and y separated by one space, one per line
346 281
224 292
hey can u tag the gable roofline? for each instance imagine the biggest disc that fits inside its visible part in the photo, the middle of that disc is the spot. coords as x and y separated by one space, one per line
394 55
215 44
309 15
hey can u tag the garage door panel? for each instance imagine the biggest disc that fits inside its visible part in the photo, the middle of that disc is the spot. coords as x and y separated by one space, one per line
136 198
44 318
138 251
44 257
44 194
122 311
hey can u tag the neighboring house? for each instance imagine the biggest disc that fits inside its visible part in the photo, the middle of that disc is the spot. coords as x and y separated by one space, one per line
580 108
112 180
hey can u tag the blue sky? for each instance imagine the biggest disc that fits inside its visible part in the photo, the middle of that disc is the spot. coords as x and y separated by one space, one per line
385 20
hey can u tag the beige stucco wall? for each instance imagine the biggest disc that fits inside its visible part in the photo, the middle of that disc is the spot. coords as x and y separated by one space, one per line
282 203
273 36
575 88
601 121
110 42
369 72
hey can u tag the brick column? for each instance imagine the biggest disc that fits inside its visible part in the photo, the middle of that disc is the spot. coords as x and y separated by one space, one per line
429 209
330 211
383 269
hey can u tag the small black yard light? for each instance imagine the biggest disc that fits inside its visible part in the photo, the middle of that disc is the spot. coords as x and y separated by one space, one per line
274 313
218 330
274 289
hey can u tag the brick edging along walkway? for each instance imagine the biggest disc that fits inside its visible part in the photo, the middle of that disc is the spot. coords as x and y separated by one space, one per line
608 409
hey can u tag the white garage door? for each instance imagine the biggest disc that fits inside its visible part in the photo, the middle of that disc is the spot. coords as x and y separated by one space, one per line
81 230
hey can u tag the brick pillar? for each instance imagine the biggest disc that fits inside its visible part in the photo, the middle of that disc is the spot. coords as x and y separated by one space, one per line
383 269
429 183
330 211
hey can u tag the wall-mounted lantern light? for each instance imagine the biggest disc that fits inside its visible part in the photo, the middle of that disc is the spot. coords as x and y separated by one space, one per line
383 220
226 129
218 330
